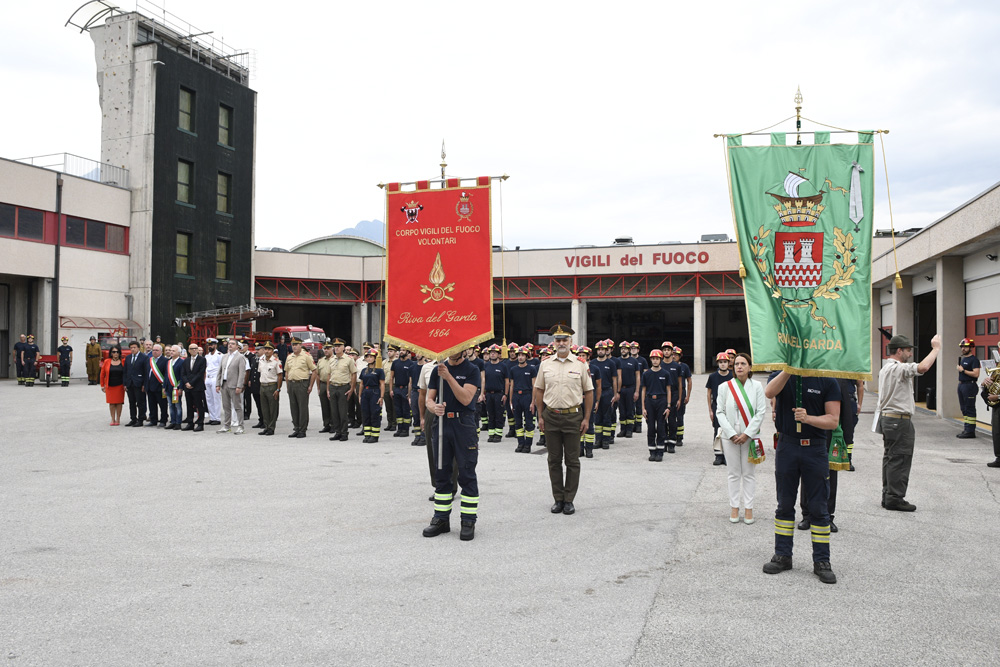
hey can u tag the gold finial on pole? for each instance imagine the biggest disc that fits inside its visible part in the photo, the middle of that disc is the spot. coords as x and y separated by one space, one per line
443 163
798 115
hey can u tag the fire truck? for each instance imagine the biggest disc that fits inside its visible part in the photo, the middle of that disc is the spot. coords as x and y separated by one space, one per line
205 324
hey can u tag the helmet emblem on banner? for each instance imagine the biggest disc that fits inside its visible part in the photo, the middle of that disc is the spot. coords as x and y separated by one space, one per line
412 209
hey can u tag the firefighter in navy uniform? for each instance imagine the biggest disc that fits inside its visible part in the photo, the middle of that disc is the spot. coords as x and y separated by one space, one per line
400 374
29 354
684 382
629 392
675 393
372 391
609 396
968 386
587 441
511 362
18 364
643 367
391 354
802 456
656 405
458 446
496 388
522 381
65 353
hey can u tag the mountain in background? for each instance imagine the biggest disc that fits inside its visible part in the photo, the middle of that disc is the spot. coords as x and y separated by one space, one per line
373 230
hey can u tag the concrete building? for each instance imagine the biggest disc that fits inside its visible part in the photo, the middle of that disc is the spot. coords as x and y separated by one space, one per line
179 115
951 285
64 241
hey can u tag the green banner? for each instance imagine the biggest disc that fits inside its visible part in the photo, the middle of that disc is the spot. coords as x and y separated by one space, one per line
804 224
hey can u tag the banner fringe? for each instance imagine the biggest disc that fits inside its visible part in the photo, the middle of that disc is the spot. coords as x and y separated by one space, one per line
439 356
812 372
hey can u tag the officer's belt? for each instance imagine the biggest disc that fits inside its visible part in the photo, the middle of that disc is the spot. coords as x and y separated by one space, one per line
895 415
345 384
563 411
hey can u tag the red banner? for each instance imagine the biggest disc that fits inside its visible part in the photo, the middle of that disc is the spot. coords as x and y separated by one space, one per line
439 267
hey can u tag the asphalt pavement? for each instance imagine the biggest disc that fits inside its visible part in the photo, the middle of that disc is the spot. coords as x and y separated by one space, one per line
139 546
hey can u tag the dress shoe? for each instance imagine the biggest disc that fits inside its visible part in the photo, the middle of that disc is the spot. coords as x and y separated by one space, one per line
300 434
568 508
263 432
293 434
720 460
360 433
901 506
851 469
437 527
198 428
468 531
258 425
268 432
326 429
778 564
214 422
993 464
343 437
557 508
151 424
803 524
833 526
131 423
966 435
822 570
187 427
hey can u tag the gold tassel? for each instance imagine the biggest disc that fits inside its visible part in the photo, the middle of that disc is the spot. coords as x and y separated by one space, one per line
743 271
503 349
899 281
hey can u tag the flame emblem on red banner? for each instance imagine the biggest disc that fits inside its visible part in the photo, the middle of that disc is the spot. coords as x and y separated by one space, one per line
437 276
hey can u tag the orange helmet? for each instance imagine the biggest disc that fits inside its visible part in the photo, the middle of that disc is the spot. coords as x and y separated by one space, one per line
966 342
655 353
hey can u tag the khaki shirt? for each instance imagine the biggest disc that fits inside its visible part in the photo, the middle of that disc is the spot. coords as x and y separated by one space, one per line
269 370
342 370
323 368
895 387
563 382
299 367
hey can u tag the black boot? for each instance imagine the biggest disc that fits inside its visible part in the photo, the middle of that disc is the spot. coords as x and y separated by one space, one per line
720 460
589 452
437 527
541 440
468 531
628 431
652 455
659 455
637 427
511 433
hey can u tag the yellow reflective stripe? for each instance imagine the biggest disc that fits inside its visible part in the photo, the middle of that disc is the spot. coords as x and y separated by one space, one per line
444 496
470 510
469 499
820 529
784 532
784 524
442 508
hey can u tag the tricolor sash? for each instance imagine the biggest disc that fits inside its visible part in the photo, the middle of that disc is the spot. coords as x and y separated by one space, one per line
155 370
756 453
174 382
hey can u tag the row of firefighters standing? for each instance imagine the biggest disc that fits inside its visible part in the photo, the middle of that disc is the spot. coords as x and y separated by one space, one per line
622 389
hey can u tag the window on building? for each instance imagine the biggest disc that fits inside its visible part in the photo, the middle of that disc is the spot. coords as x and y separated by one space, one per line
981 327
30 224
8 218
221 259
992 326
94 235
980 352
185 119
991 351
185 175
225 125
224 189
183 253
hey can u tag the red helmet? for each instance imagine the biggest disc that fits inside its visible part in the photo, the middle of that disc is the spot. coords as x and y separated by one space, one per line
655 353
667 343
722 356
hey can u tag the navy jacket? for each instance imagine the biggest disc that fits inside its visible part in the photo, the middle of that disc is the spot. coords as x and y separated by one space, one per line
136 367
152 384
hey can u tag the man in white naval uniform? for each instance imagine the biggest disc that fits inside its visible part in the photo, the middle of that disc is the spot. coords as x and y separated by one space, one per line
212 360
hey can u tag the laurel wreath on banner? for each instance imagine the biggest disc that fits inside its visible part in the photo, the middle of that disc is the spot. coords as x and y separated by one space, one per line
843 269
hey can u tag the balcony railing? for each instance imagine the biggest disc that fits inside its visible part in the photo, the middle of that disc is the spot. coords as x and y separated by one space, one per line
74 165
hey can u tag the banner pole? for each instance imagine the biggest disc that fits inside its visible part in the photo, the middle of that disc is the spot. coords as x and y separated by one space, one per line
440 422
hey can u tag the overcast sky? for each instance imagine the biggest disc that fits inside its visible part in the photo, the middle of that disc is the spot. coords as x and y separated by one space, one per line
601 114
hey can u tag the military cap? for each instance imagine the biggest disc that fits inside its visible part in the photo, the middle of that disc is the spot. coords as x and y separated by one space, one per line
296 341
327 345
337 341
91 338
561 331
394 348
211 340
268 346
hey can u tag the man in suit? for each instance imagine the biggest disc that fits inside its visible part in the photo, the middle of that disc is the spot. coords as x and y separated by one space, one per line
229 383
194 389
136 365
156 376
175 386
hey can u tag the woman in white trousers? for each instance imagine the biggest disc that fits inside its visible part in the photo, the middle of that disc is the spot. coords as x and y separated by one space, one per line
740 409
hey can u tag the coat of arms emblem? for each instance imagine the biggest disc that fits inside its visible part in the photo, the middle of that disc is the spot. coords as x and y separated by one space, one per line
791 262
412 209
464 207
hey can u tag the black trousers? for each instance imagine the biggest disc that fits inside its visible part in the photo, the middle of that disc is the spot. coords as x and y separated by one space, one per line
136 403
157 405
196 402
253 395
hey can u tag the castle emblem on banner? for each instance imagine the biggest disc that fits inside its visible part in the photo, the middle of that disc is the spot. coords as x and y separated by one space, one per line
791 262
463 209
412 209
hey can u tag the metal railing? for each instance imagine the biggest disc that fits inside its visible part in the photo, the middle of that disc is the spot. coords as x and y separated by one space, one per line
74 165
